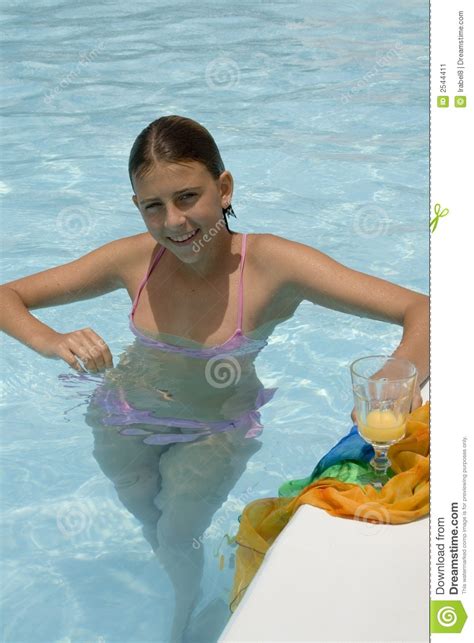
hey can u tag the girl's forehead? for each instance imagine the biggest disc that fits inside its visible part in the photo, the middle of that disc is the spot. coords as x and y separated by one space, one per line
164 174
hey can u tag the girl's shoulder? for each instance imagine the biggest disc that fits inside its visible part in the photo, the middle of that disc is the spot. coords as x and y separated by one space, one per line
136 252
267 250
266 242
138 246
271 257
260 243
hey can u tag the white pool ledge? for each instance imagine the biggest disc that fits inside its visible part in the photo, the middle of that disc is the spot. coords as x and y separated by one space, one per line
333 579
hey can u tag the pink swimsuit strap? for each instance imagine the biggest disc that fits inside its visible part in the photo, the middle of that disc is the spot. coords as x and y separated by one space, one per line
145 278
241 282
241 302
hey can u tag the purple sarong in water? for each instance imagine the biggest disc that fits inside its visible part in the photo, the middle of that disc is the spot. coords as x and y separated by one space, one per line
120 412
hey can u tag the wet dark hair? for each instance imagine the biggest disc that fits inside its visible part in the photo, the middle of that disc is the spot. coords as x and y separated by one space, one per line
176 139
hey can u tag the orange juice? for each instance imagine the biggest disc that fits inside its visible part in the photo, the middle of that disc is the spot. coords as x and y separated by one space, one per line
383 426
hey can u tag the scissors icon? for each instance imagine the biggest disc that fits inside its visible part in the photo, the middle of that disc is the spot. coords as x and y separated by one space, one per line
439 213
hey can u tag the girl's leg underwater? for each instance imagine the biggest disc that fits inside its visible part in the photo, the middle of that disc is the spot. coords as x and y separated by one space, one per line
196 479
174 491
133 468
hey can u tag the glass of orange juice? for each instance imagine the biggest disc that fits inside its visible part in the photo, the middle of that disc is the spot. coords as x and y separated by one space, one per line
383 390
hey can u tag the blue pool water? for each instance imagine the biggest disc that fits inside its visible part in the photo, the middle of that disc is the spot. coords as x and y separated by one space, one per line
320 111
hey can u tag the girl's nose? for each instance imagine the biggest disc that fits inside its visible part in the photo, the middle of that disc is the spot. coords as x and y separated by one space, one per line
174 217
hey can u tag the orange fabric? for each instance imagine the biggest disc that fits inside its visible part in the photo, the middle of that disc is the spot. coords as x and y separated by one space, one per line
404 498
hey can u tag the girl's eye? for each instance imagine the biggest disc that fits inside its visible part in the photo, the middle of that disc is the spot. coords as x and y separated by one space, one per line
184 197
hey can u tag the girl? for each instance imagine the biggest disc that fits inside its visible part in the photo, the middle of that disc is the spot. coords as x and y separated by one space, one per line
175 422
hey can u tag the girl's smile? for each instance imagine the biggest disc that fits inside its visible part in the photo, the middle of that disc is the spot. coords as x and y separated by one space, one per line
185 239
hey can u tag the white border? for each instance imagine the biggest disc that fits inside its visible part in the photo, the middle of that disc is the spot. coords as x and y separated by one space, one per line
451 289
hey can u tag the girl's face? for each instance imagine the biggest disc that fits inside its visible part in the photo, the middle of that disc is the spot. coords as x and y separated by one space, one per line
178 199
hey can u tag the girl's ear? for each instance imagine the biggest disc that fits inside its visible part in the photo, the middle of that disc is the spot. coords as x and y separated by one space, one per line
227 184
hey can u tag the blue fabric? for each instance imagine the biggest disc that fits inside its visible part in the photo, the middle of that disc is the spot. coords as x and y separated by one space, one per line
350 448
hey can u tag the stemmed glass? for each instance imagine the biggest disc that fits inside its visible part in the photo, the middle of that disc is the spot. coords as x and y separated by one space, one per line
383 390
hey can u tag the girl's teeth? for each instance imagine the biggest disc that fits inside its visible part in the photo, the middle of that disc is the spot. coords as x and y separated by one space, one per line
184 237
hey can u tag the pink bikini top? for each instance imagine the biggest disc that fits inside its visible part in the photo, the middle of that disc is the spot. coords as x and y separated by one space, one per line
237 344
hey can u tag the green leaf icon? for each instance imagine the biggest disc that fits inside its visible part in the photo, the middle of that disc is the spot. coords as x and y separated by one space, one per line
447 617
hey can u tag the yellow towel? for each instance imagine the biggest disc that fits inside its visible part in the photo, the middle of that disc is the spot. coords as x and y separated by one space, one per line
404 498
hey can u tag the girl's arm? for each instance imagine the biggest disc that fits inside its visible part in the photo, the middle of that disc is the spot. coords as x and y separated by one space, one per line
306 273
96 273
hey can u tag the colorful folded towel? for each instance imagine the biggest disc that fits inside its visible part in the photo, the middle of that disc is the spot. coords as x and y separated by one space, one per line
335 486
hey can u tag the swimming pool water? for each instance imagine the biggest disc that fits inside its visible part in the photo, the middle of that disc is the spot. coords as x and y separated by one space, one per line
320 111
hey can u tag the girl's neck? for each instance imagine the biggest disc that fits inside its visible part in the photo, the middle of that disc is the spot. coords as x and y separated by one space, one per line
216 257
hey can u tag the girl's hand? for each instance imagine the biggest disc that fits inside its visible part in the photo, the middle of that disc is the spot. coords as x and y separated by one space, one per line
353 415
85 345
417 402
417 399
